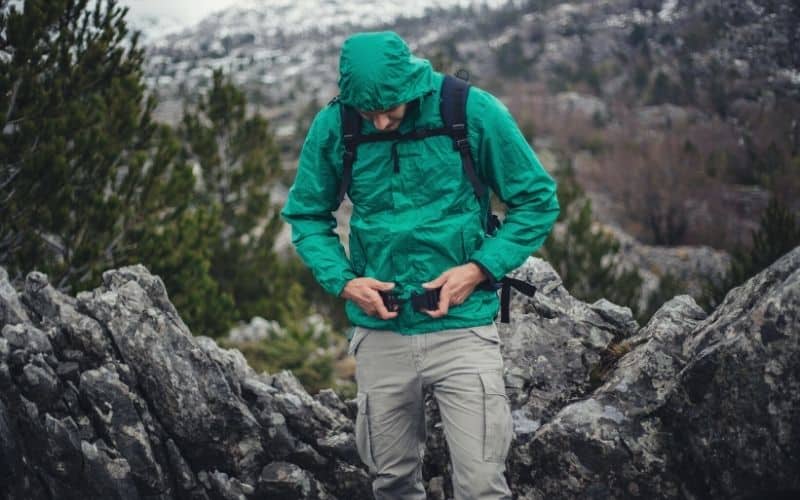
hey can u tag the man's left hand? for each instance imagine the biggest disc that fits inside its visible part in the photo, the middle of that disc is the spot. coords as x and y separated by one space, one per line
457 284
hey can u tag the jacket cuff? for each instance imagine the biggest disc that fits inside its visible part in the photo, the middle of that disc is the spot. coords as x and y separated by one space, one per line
489 282
336 286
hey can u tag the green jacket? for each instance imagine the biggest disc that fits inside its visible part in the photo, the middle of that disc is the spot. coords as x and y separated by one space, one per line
410 225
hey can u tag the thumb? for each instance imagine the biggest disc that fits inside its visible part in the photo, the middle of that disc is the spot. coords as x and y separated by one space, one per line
383 285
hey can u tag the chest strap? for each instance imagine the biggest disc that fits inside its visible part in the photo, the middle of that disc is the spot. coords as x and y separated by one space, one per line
453 110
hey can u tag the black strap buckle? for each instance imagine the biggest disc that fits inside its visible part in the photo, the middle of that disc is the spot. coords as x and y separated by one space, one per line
426 301
390 300
461 145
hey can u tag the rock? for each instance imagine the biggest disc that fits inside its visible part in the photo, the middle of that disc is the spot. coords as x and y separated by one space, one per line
11 310
113 378
286 480
110 396
70 328
28 337
110 473
187 389
553 343
734 413
609 443
116 411
692 266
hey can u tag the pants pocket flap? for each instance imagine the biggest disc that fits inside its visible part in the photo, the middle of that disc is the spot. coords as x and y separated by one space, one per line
493 383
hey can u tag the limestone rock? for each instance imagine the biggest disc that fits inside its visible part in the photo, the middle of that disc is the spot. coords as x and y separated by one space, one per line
108 395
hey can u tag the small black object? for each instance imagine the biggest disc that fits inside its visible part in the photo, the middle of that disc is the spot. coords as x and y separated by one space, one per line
390 301
426 301
493 224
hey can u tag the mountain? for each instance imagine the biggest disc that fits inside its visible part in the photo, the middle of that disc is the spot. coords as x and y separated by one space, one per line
280 43
283 51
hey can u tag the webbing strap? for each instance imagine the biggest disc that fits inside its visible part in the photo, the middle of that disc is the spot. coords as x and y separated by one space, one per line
453 109
505 295
419 133
429 299
351 128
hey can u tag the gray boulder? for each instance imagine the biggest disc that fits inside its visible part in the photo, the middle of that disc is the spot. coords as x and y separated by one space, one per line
109 395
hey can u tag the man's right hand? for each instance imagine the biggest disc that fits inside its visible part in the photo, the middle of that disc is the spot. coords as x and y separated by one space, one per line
364 292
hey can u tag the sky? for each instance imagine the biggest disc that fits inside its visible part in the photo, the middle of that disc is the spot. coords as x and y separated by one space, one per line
183 11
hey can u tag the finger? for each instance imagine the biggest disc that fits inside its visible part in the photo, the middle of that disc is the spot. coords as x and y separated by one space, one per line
381 311
444 304
444 300
380 285
438 282
367 308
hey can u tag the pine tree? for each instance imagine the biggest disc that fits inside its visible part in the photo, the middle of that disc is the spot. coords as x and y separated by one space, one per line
82 167
583 255
238 163
88 181
778 233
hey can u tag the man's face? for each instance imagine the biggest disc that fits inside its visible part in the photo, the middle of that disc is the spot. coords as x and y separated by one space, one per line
386 120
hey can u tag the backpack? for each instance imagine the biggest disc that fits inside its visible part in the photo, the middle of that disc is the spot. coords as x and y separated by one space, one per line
453 110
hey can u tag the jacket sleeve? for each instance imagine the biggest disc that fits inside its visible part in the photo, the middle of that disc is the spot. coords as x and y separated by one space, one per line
506 162
312 199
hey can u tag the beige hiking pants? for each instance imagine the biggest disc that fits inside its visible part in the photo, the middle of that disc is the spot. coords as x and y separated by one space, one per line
465 369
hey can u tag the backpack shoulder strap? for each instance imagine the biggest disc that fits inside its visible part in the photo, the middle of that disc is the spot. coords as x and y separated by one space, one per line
453 108
351 132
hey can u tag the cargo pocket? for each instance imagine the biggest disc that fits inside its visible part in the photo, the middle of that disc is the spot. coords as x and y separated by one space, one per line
363 434
497 430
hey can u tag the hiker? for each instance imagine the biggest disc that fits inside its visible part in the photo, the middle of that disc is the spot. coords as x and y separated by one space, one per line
417 153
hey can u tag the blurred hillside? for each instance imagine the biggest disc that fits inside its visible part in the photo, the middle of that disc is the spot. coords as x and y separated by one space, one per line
679 117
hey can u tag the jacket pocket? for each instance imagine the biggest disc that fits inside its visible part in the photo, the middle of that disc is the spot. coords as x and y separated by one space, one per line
363 434
497 426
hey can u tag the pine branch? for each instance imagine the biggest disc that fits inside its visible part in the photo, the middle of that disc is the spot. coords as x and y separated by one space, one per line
14 172
13 102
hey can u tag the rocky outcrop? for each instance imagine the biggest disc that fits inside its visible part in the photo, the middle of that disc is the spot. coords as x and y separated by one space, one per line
108 395
698 407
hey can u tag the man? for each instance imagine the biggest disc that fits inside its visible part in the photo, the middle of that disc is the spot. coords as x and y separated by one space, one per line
418 226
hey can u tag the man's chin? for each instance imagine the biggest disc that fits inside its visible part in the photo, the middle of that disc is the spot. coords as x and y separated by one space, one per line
391 128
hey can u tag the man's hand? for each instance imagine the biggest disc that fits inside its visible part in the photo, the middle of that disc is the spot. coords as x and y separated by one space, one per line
457 284
364 292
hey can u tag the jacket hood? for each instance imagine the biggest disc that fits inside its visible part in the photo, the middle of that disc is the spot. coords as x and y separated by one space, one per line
377 71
